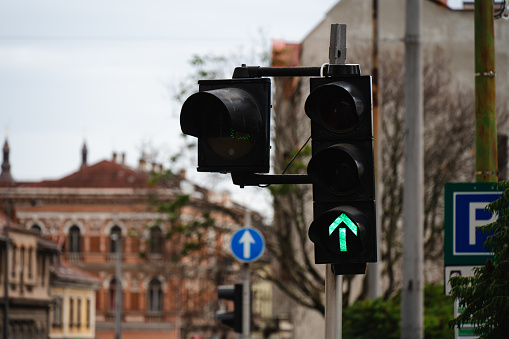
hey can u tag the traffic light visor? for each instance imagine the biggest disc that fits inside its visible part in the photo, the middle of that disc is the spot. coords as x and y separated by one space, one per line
337 106
338 168
229 119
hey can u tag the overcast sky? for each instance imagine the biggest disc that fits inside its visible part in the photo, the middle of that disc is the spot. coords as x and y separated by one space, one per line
103 70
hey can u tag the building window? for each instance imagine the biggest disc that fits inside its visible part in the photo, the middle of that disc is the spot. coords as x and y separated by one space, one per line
156 240
57 312
43 269
13 261
22 268
71 312
89 309
155 294
115 233
74 239
78 312
36 228
30 262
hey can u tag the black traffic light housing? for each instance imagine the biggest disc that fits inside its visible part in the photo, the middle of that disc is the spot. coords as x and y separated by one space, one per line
231 119
342 172
231 319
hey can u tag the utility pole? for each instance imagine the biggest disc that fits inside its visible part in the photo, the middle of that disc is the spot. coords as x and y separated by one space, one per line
413 247
374 274
486 163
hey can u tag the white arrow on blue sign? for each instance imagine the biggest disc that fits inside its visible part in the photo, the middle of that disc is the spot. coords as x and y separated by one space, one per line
247 245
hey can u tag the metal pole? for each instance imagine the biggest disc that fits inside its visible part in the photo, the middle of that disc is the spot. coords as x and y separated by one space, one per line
374 273
246 301
413 249
118 291
246 289
333 303
333 283
6 286
485 112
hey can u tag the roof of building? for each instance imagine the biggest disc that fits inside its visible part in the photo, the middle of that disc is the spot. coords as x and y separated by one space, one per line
42 243
65 272
105 174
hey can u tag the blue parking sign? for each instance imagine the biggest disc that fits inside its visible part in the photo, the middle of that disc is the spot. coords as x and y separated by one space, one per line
465 213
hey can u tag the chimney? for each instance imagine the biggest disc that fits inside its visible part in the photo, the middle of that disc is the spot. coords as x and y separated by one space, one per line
84 153
182 174
123 158
142 166
114 157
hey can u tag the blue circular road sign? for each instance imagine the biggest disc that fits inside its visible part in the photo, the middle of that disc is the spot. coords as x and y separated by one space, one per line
247 245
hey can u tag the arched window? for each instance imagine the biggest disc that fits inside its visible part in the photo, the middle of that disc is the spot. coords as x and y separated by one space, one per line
156 240
74 240
36 228
115 234
155 296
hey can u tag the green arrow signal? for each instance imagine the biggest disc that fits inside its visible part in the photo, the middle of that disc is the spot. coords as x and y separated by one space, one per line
342 231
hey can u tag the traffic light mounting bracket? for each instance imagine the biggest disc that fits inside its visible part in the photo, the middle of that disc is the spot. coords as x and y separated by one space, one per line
252 179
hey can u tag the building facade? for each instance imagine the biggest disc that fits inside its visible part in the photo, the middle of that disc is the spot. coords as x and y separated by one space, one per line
168 239
72 312
26 273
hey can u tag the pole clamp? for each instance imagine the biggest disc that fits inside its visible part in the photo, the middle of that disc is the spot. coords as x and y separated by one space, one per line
489 74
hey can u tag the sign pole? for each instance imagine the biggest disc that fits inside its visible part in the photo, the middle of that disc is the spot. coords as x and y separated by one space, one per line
246 289
246 300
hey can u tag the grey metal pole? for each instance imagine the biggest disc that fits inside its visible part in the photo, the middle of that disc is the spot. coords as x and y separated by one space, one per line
374 270
333 284
246 288
332 310
413 249
6 286
246 301
118 289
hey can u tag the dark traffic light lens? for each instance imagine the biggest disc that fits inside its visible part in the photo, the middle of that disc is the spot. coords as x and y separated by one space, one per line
340 173
337 110
338 169
222 138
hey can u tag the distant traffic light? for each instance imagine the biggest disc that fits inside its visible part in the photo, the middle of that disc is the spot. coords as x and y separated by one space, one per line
342 171
231 119
231 319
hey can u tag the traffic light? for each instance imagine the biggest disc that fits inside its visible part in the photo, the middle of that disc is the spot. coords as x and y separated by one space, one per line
231 119
342 172
231 319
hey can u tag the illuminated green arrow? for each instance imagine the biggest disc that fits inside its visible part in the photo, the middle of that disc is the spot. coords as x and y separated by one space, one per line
342 231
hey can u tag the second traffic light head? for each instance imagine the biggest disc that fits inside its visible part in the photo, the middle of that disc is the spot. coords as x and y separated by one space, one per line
231 319
231 119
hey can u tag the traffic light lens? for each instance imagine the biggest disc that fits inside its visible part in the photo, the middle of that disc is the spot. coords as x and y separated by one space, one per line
335 169
222 138
337 110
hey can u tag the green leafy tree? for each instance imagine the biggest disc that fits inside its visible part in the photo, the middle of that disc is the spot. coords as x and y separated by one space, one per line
379 318
485 296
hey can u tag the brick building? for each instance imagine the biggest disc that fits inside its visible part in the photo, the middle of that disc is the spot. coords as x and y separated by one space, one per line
173 234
